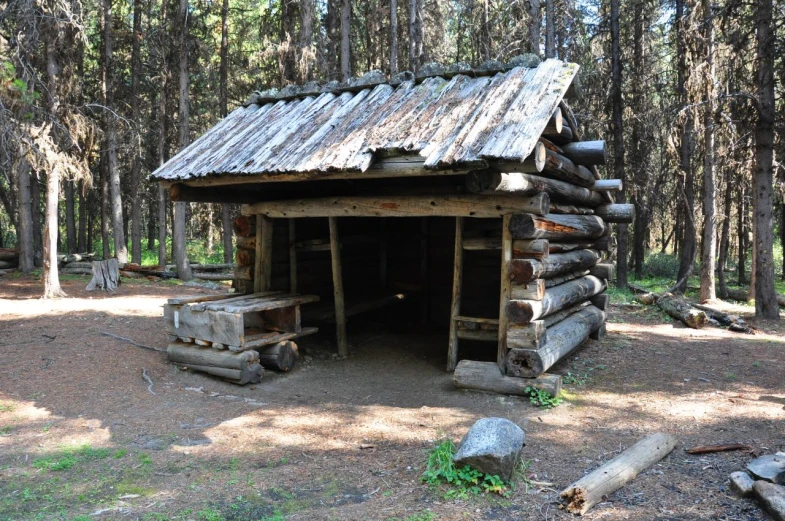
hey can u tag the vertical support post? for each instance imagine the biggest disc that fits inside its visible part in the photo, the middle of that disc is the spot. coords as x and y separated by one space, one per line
383 253
455 310
504 294
292 257
425 299
340 311
264 254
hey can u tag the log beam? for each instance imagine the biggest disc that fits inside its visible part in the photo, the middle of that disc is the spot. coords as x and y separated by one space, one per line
555 299
585 152
556 226
494 183
486 376
616 213
523 271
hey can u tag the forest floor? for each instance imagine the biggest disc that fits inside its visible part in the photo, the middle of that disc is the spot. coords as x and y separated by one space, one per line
82 437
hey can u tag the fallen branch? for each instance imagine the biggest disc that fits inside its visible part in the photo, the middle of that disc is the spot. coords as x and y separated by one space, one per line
137 344
708 449
590 489
148 380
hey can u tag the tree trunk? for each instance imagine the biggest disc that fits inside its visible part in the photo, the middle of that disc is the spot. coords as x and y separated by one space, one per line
765 296
116 206
722 262
136 145
550 23
618 138
82 243
38 240
346 26
70 217
226 215
306 56
709 242
415 34
742 235
25 229
393 37
533 7
178 224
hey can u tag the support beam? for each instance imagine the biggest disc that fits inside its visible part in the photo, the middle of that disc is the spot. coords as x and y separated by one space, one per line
340 309
556 299
264 254
455 310
523 271
616 213
468 205
504 294
495 183
556 226
585 152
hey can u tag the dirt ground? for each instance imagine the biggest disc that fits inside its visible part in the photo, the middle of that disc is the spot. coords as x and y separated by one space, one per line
82 437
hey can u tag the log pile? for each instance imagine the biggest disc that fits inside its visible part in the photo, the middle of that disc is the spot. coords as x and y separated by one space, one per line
9 260
245 253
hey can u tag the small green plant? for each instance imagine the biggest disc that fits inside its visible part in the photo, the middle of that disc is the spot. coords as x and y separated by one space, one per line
55 463
5 431
145 460
756 364
7 407
155 516
542 399
275 516
209 514
120 453
731 376
465 480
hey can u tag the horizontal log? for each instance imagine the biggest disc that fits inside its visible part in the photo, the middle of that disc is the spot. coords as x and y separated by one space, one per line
555 124
570 209
486 376
494 183
532 290
208 275
529 336
246 243
585 152
6 264
605 271
279 356
680 309
244 226
605 480
537 248
562 168
616 213
251 374
534 163
560 138
8 254
244 257
522 271
555 226
601 301
76 271
607 185
469 205
190 355
563 338
480 335
555 299
561 279
555 318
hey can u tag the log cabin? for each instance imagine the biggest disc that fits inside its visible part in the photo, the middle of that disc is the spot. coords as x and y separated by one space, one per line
464 196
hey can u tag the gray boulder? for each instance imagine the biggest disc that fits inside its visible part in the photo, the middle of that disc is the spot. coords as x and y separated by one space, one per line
770 468
492 446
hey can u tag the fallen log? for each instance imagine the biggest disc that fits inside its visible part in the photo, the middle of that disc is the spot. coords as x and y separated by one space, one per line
521 271
106 275
251 374
280 356
7 264
743 295
203 267
590 489
682 310
76 271
7 271
495 183
486 376
709 449
75 257
555 299
585 152
212 276
555 226
562 338
8 254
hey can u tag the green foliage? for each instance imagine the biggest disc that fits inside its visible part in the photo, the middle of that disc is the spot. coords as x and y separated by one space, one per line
420 516
441 469
7 407
275 516
55 463
661 265
209 514
542 399
69 457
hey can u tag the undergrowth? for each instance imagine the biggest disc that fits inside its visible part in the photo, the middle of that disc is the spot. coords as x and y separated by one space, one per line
463 481
542 399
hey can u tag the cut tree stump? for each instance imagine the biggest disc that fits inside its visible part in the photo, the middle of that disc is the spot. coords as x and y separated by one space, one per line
681 310
590 489
106 276
280 356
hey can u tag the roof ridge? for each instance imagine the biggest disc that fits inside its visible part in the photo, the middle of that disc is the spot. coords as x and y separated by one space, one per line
376 77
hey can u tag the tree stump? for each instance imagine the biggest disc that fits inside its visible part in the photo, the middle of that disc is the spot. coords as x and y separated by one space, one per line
106 276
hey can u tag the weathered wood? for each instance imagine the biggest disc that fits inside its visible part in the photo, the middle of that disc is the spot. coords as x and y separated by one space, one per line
560 138
222 303
78 271
265 303
604 270
570 209
607 185
244 226
201 275
529 336
338 295
532 290
616 213
263 262
585 152
592 488
271 337
469 205
555 124
280 356
292 256
214 326
562 168
601 301
522 271
536 249
555 299
681 310
562 338
9 254
535 162
251 374
106 275
561 279
569 227
481 335
555 318
203 267
494 183
486 376
190 355
179 301
455 307
504 293
246 243
244 257
771 497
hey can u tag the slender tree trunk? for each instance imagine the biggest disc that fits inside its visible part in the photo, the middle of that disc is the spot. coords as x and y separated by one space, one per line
162 134
306 58
25 229
765 296
83 210
116 206
550 37
535 20
709 241
105 208
742 233
178 235
415 34
618 139
485 32
305 41
722 261
640 179
70 217
136 165
152 195
346 27
393 37
689 236
38 238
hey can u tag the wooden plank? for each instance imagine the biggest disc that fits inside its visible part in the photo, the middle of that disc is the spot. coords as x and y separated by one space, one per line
266 253
212 326
460 205
455 308
254 341
207 305
480 335
477 320
292 256
267 303
504 294
179 301
338 295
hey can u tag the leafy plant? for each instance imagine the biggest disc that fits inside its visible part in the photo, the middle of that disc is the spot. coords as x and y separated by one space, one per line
464 480
542 399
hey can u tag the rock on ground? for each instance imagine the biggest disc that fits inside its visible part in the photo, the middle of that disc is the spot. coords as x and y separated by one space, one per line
770 468
741 483
772 498
492 446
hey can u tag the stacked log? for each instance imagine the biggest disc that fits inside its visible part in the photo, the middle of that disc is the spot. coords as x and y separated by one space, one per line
245 253
553 269
240 368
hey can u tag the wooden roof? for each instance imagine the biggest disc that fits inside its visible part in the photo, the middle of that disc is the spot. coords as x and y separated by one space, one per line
449 122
